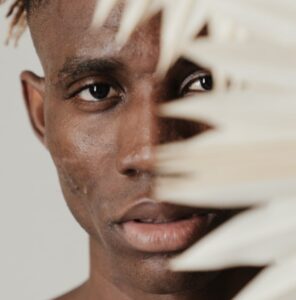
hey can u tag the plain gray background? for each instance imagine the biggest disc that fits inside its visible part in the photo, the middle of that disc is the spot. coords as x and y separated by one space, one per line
43 252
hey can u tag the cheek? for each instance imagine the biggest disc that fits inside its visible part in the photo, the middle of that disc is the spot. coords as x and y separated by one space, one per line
81 154
84 156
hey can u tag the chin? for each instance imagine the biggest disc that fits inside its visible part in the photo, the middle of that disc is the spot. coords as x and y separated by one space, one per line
151 275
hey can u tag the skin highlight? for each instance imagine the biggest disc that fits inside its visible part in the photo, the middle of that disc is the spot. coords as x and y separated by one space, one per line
103 150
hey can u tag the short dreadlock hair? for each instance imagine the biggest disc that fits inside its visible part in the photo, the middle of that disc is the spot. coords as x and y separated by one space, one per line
18 12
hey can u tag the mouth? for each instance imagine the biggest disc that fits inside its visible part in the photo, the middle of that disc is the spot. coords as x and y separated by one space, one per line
154 227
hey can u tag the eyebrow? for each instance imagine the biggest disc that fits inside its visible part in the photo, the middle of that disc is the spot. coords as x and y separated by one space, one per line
75 67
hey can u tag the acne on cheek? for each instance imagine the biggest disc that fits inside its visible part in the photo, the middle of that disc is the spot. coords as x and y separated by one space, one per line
72 177
80 170
82 153
70 156
77 194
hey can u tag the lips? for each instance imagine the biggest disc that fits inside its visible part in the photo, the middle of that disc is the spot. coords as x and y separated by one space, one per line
154 227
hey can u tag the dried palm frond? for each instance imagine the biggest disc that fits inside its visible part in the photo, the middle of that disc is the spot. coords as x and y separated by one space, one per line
248 158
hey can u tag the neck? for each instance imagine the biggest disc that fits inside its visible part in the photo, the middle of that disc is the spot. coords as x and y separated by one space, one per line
101 285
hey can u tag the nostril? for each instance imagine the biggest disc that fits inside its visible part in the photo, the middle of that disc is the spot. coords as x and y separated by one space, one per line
135 160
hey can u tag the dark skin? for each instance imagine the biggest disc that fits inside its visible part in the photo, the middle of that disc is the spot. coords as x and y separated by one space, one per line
103 148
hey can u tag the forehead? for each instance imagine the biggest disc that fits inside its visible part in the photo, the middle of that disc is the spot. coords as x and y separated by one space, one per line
62 30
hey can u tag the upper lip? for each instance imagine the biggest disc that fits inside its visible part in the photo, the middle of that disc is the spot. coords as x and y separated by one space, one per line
147 210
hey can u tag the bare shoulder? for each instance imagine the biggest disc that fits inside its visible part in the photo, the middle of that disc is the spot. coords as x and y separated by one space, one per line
75 294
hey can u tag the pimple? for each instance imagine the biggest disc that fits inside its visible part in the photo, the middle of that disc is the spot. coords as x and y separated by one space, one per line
69 174
85 190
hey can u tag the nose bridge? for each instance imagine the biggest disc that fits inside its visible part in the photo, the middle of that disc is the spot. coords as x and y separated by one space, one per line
137 135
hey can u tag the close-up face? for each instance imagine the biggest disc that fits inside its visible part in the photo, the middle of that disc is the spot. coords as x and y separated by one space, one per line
96 112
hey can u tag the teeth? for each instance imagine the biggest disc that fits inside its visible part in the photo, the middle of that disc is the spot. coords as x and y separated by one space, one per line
149 221
162 222
145 221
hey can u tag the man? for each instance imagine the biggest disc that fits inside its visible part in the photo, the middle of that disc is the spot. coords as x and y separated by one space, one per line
95 111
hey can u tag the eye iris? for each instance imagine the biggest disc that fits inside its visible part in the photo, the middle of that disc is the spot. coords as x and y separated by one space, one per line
100 91
206 82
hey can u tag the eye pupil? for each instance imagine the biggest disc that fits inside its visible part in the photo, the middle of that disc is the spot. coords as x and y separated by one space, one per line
207 82
100 91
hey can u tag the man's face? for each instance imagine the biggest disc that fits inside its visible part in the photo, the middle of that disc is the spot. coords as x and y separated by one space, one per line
100 127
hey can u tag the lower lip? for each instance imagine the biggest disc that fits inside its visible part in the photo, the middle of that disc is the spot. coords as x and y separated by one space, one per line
165 237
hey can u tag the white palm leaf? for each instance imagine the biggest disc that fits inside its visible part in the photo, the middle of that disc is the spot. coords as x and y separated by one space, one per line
246 240
278 282
248 159
259 62
242 12
238 116
172 39
222 196
134 13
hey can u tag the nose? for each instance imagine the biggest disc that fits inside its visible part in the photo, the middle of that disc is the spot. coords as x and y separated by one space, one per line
141 130
137 138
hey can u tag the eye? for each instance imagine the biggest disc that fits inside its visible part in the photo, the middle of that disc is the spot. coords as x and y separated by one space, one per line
97 92
196 83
